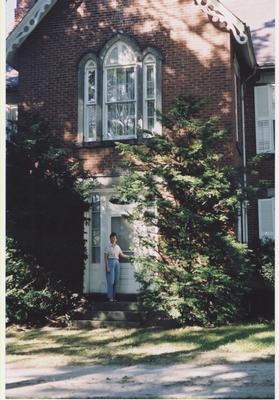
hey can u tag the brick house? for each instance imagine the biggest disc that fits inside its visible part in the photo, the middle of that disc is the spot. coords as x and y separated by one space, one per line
98 70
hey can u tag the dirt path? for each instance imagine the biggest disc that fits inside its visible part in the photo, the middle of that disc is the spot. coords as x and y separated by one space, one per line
220 381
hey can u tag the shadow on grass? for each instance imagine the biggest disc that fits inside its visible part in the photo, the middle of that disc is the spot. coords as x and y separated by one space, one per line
105 347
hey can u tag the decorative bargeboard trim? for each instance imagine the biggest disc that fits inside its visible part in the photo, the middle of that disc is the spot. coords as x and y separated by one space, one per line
220 14
26 26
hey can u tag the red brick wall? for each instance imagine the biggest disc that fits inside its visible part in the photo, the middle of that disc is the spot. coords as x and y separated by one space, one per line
196 59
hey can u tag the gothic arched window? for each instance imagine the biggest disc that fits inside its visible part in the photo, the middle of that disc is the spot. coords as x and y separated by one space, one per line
119 92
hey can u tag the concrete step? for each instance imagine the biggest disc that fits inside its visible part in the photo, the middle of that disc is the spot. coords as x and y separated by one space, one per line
113 306
89 324
113 315
119 314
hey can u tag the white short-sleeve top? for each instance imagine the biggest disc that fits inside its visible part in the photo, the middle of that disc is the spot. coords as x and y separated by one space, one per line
113 251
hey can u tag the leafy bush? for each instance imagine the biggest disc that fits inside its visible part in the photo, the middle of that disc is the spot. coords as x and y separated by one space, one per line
195 271
32 295
264 262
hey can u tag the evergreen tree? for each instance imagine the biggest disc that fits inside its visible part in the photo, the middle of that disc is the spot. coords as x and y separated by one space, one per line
196 269
46 200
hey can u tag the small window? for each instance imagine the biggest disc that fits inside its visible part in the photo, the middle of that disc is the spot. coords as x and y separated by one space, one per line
149 82
11 119
266 218
90 101
265 118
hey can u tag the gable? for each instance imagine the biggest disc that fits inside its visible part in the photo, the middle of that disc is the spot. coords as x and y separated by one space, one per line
216 12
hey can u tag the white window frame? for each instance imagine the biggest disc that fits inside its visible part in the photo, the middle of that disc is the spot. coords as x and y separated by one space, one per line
106 136
88 103
145 98
270 118
242 223
271 203
11 112
11 118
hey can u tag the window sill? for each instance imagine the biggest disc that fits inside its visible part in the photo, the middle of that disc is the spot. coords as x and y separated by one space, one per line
105 143
267 156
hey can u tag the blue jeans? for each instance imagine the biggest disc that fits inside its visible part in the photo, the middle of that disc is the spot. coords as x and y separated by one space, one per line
112 277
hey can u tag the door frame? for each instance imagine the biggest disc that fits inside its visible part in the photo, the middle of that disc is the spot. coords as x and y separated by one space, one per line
105 226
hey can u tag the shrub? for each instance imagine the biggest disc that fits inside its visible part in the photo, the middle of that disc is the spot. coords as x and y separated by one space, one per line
46 200
264 261
32 295
195 271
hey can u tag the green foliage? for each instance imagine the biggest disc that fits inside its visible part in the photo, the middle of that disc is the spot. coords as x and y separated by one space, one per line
196 270
263 259
46 200
32 295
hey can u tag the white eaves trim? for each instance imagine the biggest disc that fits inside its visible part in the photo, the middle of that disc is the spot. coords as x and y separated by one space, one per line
25 27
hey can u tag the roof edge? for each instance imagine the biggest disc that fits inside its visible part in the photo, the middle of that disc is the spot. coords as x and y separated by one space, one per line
25 27
246 53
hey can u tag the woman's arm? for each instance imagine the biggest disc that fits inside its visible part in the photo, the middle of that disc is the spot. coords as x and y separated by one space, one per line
123 255
106 263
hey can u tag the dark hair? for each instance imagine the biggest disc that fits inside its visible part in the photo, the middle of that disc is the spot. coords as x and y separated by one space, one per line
112 235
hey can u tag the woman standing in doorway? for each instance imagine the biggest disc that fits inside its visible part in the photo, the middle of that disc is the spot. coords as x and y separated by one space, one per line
112 253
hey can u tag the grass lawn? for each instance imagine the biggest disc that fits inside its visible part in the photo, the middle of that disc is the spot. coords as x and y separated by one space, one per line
63 347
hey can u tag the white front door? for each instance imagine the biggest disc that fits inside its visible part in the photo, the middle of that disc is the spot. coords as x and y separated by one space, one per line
106 217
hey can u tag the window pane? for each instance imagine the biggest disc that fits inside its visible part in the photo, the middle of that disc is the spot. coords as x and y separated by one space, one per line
263 135
96 238
113 57
11 112
124 231
96 221
150 81
111 85
266 218
120 54
273 101
96 255
91 121
261 101
126 55
150 114
121 119
91 84
96 203
120 73
120 84
125 84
